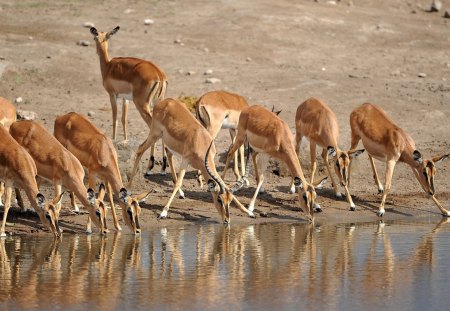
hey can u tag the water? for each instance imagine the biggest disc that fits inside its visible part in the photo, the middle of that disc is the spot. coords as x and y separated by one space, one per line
401 266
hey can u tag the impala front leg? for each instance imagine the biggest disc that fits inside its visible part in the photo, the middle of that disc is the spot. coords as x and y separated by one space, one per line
124 118
8 193
177 187
113 208
375 175
387 185
112 99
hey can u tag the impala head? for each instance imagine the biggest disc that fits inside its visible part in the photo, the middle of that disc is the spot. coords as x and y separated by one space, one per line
131 209
307 196
49 212
102 37
342 161
426 170
98 210
222 197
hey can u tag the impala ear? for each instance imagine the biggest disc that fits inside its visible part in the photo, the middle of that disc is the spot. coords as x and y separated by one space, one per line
123 195
275 112
441 158
112 32
91 196
94 31
101 191
141 197
331 151
354 153
417 156
40 200
298 182
58 199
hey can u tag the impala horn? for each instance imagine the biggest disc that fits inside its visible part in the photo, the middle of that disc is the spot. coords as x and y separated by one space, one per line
240 183
217 180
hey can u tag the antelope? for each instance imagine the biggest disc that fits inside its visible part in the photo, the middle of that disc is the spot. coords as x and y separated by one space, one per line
220 110
17 169
316 121
183 135
96 152
8 115
134 79
387 142
268 133
56 164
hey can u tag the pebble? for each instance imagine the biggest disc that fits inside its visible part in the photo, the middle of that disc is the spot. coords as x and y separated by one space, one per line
212 80
422 75
148 21
436 6
208 72
91 113
447 14
263 214
18 100
331 2
190 73
249 59
128 11
83 43
26 115
206 50
88 24
177 41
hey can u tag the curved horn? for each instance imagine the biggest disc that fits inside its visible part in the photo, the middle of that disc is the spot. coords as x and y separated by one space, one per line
240 183
217 180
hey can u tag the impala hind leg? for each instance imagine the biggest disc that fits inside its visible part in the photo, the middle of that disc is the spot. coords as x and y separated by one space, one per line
354 142
375 175
174 173
236 161
8 194
312 154
330 173
177 187
2 191
112 99
298 142
390 165
259 172
124 118
113 208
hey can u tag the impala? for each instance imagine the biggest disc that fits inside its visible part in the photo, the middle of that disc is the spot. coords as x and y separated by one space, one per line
317 122
96 152
387 142
17 169
57 165
183 135
130 78
267 133
8 115
220 110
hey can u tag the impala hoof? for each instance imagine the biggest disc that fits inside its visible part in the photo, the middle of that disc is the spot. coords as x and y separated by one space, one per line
147 174
446 214
317 208
3 235
251 215
161 216
339 195
380 190
352 208
380 213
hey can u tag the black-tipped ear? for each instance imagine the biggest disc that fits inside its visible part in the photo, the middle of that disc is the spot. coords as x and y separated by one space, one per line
40 200
440 158
211 185
417 156
91 196
353 154
112 32
123 195
331 151
94 31
298 182
101 187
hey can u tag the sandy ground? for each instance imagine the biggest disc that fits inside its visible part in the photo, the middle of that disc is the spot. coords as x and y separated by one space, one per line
273 53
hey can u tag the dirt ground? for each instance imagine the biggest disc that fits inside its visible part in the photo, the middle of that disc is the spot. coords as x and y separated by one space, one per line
393 53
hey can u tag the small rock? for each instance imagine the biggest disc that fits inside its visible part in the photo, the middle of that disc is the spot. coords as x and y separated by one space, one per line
249 59
212 80
447 14
18 100
413 12
206 50
30 38
177 41
148 21
331 2
190 73
88 24
83 43
26 115
263 214
2 58
324 69
436 6
422 75
395 72
208 72
91 113
128 11
180 71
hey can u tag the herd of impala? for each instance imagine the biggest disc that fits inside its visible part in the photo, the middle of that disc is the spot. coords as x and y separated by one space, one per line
28 152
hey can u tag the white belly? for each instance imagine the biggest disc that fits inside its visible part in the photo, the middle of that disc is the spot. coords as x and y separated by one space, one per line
377 151
226 124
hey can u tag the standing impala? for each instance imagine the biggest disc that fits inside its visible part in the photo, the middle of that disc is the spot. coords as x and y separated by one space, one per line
56 164
8 115
316 121
96 152
268 133
130 78
17 169
185 136
220 110
386 142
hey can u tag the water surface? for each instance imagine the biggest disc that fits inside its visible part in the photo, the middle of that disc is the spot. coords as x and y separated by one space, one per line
402 266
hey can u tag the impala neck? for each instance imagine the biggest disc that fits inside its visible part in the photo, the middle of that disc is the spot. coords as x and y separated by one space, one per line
407 157
102 51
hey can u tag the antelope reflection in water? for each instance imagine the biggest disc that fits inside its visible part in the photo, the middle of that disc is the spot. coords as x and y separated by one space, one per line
261 266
